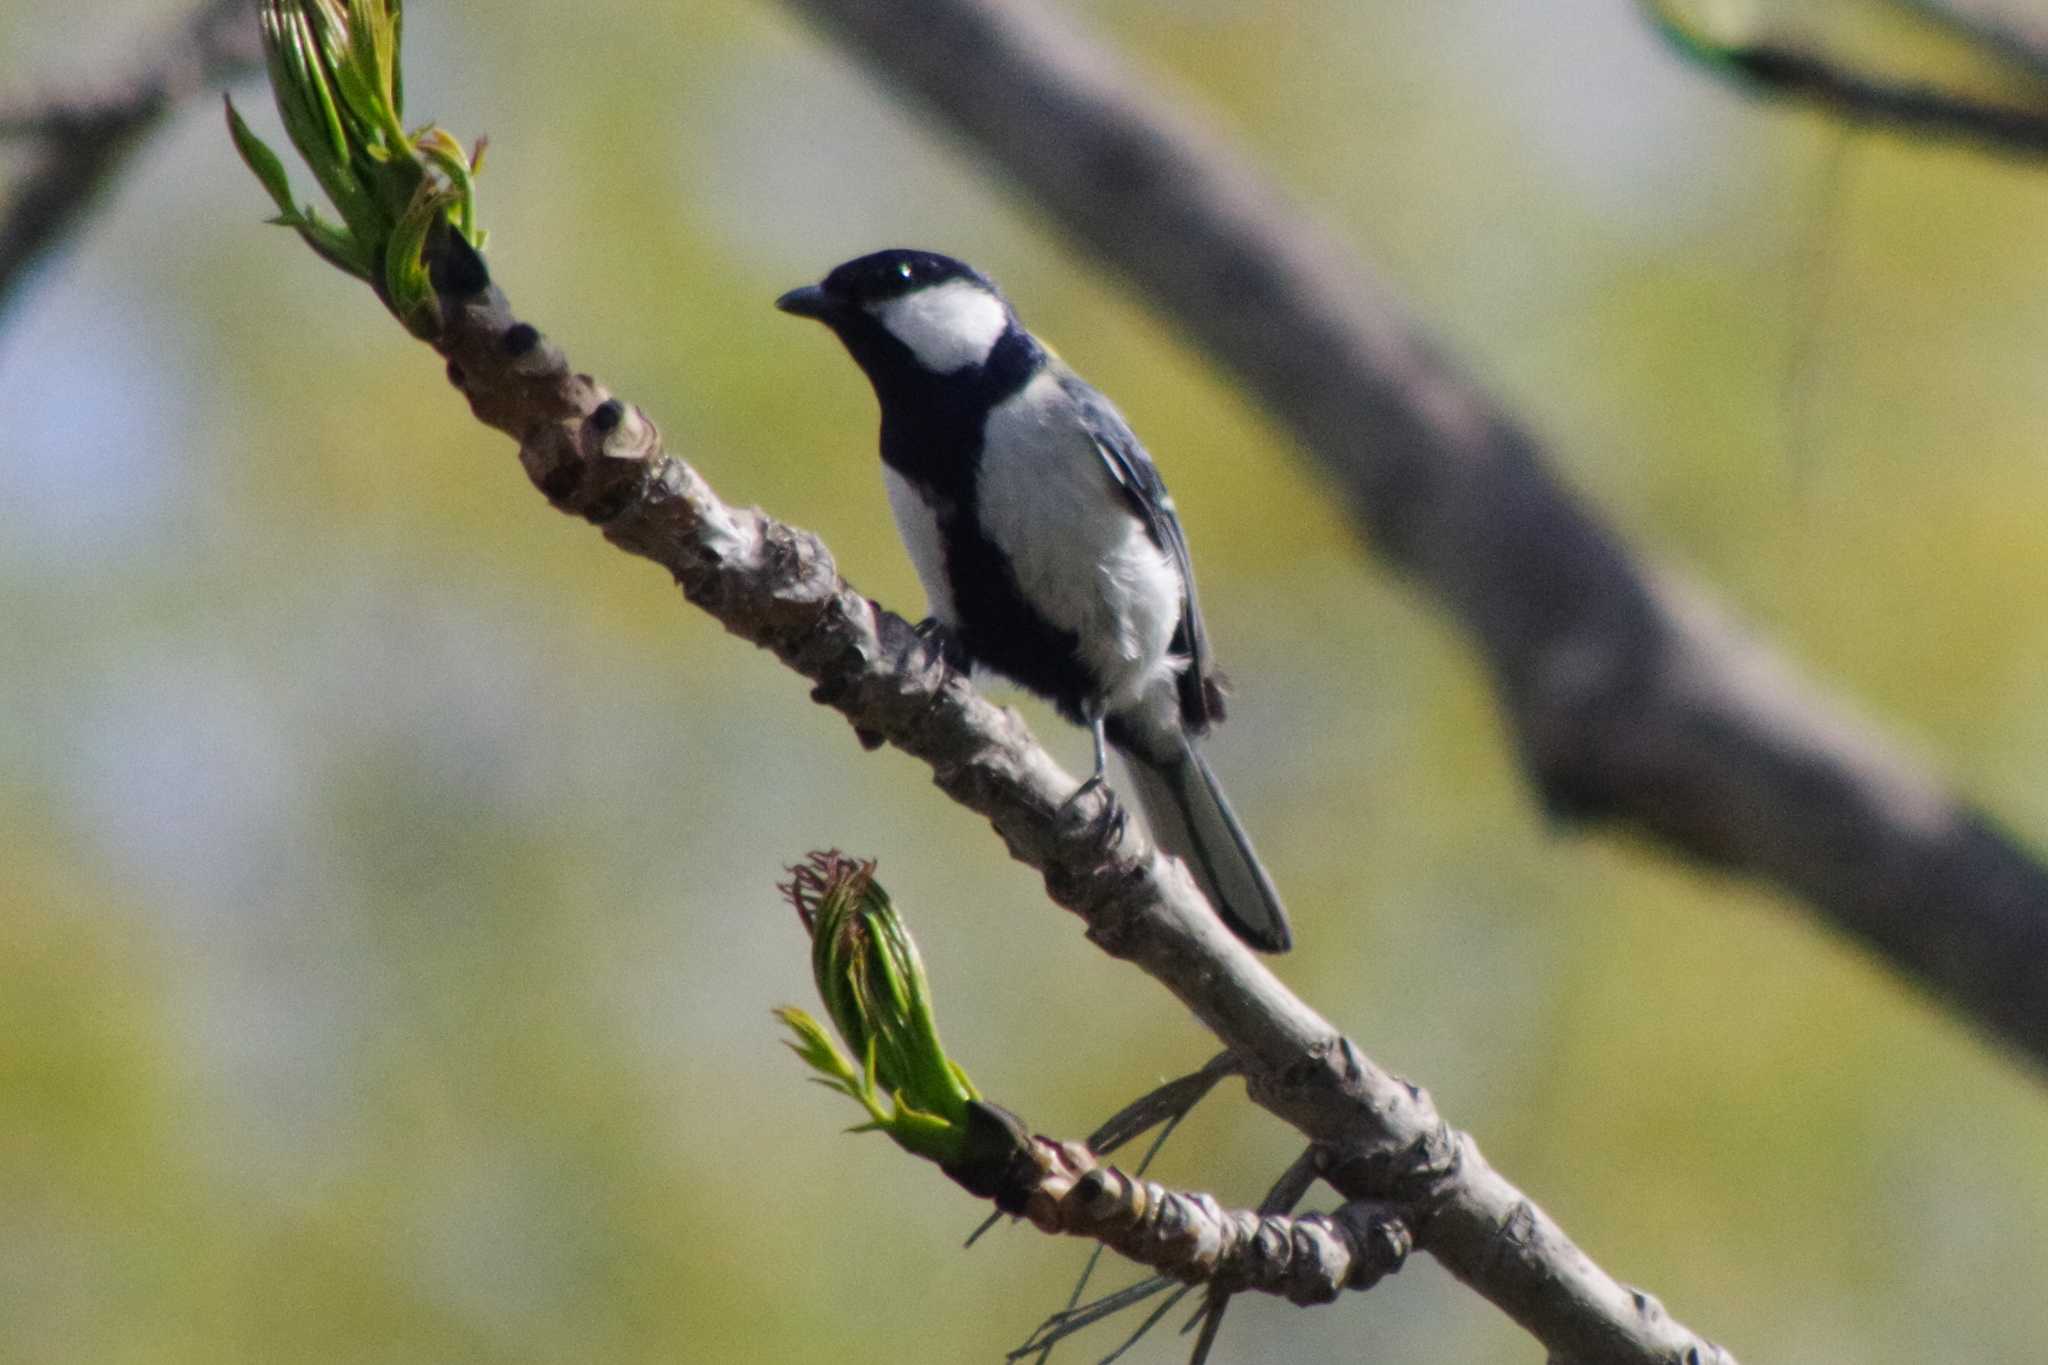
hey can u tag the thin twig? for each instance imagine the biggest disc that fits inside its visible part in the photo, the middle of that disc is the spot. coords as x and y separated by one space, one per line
1287 1192
1916 109
1803 62
1164 1106
2016 28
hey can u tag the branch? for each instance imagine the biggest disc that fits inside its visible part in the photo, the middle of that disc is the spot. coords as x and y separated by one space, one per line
877 993
1381 1139
2017 28
1630 698
1952 69
86 134
1305 1258
410 234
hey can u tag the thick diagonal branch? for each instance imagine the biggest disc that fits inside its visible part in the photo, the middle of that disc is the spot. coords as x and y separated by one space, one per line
1630 697
598 458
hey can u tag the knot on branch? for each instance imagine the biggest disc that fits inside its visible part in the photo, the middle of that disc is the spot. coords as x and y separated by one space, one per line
1416 1177
594 466
1384 1238
1064 1188
1190 1236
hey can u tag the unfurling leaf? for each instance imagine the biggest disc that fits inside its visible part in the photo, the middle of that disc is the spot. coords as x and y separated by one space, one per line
873 983
335 71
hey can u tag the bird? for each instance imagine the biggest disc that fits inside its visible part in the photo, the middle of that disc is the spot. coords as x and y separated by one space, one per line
1049 550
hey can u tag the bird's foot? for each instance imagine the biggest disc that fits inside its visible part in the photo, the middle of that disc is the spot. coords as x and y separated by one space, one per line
946 641
1094 783
1108 822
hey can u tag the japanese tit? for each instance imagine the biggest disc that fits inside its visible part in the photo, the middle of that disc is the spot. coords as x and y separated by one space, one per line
1047 545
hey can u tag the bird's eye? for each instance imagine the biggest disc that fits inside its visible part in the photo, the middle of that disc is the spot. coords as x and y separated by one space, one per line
906 271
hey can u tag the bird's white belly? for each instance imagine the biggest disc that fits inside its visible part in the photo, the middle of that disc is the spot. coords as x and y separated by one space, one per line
1080 555
918 525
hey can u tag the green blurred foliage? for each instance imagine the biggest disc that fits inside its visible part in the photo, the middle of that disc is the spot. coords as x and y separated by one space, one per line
388 932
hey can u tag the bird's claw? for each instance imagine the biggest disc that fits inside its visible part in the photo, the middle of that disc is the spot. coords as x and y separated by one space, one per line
945 640
1094 783
1116 819
1107 824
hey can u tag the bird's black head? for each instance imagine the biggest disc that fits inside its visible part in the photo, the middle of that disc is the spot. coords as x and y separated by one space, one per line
878 277
905 314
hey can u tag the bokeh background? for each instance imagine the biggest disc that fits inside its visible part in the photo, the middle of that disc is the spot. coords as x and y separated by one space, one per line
387 924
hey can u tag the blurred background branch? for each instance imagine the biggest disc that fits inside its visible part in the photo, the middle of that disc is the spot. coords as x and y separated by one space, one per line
81 132
1632 698
2020 27
1973 70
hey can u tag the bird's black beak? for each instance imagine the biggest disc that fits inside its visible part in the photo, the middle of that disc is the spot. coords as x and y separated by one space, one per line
807 302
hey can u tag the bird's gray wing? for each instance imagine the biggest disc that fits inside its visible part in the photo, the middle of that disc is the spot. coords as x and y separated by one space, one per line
1128 464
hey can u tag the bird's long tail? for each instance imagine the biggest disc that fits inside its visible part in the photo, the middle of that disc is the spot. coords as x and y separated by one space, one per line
1191 819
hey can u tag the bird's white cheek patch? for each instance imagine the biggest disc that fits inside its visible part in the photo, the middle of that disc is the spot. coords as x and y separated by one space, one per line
947 327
